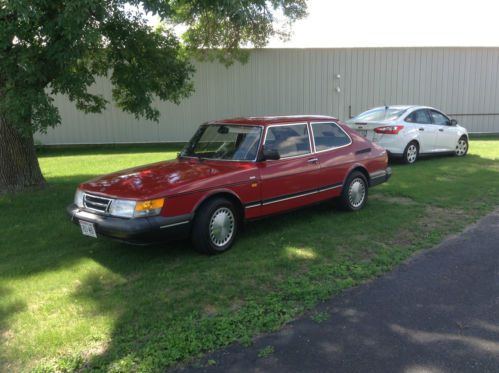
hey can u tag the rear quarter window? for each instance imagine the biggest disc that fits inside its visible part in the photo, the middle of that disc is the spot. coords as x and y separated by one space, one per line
329 136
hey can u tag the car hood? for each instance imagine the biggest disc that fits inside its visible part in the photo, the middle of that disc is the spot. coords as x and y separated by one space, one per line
166 178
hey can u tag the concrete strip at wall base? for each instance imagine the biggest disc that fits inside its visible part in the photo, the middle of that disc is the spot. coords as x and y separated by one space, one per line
336 82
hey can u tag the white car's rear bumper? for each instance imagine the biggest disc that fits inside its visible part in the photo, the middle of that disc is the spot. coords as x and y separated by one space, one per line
392 143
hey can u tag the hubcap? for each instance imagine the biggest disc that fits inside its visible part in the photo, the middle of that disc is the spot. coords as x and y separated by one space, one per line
357 192
412 153
461 147
222 226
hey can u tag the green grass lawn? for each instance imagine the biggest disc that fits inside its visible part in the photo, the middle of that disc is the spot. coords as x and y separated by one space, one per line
72 303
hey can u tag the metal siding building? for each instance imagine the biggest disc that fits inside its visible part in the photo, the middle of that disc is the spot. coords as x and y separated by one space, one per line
463 82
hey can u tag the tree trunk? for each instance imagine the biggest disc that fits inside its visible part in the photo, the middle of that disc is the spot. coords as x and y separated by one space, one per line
19 168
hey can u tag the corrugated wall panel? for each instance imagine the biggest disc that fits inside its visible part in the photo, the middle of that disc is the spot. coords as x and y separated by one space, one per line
296 81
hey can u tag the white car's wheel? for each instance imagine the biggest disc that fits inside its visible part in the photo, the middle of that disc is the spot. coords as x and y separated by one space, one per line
462 147
411 153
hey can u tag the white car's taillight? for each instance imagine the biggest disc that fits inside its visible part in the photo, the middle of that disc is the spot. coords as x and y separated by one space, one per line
388 130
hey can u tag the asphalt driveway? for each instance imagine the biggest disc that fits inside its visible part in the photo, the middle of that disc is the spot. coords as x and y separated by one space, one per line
439 312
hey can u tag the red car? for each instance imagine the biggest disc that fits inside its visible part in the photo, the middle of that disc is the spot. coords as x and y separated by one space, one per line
231 171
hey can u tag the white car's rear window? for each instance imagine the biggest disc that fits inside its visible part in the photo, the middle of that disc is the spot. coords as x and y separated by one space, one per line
380 114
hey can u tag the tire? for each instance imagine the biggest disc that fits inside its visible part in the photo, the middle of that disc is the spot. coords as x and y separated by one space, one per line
411 153
215 226
462 147
355 191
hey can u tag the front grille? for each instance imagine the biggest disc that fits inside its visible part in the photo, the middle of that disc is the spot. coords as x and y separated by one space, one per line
96 203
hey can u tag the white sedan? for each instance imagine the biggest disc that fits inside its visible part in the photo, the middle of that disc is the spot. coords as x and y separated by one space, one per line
411 131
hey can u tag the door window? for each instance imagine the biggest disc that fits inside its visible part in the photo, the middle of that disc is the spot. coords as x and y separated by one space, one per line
328 136
289 140
439 118
419 116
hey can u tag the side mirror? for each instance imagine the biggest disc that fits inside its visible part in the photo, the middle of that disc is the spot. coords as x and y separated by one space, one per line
453 122
271 154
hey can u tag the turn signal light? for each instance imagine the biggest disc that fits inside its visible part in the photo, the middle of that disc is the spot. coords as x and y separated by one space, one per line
152 204
388 130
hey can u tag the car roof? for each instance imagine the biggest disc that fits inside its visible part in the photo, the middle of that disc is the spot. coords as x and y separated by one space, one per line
268 120
404 107
398 107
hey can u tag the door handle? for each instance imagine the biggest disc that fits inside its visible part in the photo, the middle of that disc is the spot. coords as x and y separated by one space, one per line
313 160
421 129
441 129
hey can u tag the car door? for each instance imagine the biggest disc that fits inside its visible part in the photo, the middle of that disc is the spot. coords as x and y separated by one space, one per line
332 149
427 133
447 135
292 180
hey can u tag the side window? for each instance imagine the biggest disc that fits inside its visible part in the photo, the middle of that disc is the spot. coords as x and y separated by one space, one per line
328 136
290 140
439 118
419 116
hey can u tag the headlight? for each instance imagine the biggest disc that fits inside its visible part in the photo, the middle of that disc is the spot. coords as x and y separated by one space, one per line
136 209
78 201
122 208
149 208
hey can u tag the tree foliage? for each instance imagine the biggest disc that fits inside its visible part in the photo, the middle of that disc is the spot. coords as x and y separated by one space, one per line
50 47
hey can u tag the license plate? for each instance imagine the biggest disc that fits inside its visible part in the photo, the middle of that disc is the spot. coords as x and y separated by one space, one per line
87 229
362 132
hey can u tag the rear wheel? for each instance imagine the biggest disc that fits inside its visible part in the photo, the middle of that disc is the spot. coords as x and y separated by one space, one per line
215 226
462 147
411 153
354 194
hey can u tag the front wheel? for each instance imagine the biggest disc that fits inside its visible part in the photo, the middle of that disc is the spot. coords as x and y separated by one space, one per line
462 147
215 226
354 194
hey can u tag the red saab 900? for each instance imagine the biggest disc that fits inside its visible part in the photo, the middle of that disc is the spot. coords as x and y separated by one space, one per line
231 171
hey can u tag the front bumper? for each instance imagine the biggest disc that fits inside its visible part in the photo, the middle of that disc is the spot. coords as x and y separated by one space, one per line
380 177
137 230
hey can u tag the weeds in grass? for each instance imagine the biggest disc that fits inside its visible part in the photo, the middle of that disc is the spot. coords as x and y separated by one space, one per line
266 352
320 317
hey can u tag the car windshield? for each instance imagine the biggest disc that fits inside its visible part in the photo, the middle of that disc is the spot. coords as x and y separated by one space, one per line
225 142
379 114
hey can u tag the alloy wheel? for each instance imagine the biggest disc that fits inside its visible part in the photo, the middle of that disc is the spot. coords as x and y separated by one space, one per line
462 147
412 153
